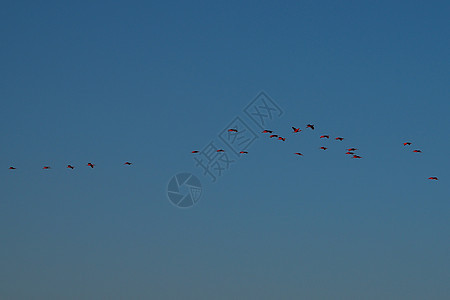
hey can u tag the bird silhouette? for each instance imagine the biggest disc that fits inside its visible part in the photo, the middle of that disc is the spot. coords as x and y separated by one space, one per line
296 129
12 168
70 167
339 139
417 151
91 165
273 135
352 149
220 150
407 143
232 130
282 139
243 152
128 163
195 151
350 153
324 136
46 168
433 178
310 126
267 131
356 156
323 148
298 153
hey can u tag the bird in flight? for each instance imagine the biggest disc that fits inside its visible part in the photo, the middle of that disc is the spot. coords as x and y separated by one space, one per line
243 152
352 149
433 178
323 148
70 167
350 153
220 150
273 135
267 131
417 151
310 126
90 165
12 168
195 151
232 130
282 139
324 136
407 143
298 153
46 168
356 156
128 163
296 129
339 139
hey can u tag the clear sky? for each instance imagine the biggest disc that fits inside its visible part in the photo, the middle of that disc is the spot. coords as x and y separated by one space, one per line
148 82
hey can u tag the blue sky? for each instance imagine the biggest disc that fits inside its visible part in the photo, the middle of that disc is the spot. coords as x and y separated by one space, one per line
109 82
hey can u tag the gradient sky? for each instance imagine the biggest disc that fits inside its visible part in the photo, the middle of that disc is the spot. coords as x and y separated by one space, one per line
148 82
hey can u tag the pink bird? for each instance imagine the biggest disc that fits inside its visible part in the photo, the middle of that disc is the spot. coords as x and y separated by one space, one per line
310 126
91 165
273 135
232 130
433 178
296 129
267 131
325 136
339 139
356 156
407 143
282 139
350 153
352 149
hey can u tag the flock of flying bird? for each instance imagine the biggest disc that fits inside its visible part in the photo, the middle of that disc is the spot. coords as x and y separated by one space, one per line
350 151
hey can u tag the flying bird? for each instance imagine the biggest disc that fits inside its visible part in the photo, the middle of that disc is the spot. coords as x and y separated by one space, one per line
407 143
90 165
417 151
195 151
433 178
267 131
323 148
12 168
339 139
356 156
282 139
232 130
296 129
243 152
70 167
352 149
220 150
298 153
325 136
46 168
128 163
273 135
350 153
310 126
